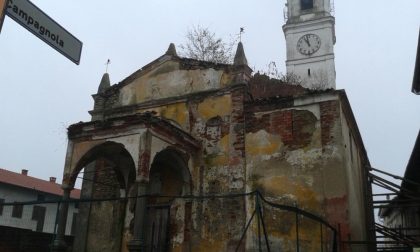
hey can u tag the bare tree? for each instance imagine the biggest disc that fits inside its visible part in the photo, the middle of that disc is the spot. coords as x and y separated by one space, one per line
292 79
203 44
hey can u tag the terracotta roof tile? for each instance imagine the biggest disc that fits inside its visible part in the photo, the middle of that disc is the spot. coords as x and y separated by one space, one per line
18 179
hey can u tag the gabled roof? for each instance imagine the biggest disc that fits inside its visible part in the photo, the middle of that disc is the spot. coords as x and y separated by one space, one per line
185 63
28 182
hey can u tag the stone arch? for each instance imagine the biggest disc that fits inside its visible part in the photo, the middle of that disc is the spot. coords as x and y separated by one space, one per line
109 174
113 152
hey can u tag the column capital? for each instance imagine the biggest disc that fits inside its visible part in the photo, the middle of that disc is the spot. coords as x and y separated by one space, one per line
66 187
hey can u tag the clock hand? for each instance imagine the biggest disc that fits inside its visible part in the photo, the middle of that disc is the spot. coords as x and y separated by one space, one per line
307 41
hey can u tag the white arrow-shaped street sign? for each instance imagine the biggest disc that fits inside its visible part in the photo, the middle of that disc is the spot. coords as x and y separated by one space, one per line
41 25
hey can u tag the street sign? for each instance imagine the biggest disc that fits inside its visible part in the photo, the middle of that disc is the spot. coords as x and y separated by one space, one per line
41 25
2 11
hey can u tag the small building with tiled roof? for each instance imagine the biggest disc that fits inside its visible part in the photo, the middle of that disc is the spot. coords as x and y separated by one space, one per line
39 215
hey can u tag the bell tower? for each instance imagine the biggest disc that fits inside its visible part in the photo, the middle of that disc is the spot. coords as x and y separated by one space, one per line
310 39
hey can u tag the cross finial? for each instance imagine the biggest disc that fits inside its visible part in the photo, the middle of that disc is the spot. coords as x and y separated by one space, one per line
107 64
241 30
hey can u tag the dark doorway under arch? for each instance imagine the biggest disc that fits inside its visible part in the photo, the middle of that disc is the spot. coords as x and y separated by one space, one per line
169 176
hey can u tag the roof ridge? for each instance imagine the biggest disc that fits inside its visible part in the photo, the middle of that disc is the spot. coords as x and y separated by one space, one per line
33 183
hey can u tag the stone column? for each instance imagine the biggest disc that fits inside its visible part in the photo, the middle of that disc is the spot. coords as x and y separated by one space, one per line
59 244
138 242
82 227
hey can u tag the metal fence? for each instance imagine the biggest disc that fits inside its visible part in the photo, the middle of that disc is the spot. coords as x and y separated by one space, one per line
36 229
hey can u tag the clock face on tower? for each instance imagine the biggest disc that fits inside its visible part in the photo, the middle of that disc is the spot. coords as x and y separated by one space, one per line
308 44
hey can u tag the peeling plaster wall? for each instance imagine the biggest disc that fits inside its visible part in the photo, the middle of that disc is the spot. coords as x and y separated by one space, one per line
176 112
294 156
219 122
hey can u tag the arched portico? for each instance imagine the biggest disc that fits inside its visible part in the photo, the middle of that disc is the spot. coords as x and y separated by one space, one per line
122 152
109 173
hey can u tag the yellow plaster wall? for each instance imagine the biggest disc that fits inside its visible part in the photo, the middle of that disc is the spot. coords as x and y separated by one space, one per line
215 106
177 112
169 80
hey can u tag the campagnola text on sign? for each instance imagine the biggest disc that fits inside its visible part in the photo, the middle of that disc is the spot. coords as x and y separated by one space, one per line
30 21
37 22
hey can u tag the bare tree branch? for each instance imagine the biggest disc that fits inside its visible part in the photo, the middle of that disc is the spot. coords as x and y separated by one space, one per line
202 44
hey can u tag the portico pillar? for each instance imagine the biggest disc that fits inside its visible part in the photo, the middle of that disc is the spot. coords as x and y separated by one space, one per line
59 244
138 242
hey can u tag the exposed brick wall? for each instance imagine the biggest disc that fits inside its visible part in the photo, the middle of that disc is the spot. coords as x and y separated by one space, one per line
106 184
282 123
329 115
294 126
303 127
238 121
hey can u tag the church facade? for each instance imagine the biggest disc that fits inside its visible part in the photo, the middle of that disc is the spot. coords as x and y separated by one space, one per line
187 155
181 127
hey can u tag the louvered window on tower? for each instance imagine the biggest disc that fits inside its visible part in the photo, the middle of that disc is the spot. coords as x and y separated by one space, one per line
306 4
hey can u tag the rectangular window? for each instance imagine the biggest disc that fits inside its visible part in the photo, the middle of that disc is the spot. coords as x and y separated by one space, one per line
1 206
17 211
306 4
38 215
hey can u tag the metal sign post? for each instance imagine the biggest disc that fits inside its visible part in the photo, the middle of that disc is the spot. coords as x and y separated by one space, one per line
41 25
3 4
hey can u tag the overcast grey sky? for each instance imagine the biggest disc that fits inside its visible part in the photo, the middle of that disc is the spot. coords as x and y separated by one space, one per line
42 92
